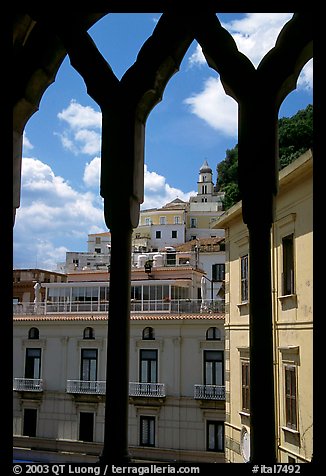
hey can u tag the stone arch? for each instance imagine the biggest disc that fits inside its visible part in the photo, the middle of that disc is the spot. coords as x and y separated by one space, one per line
125 107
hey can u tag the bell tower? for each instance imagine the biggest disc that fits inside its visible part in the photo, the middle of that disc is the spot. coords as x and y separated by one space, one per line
205 186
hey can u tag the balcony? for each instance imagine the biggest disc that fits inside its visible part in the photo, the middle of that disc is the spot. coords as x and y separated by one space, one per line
28 385
86 387
137 389
176 306
209 392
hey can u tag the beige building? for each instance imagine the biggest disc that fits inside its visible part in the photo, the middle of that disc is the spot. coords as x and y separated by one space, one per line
24 281
292 284
178 222
176 378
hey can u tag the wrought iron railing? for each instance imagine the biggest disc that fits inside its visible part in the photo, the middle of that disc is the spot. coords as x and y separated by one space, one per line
209 392
97 387
137 389
28 384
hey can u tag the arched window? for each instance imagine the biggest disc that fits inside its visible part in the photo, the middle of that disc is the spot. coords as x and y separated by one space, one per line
148 333
213 333
89 333
33 333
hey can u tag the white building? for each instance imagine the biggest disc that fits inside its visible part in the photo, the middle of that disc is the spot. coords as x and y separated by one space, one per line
176 389
160 229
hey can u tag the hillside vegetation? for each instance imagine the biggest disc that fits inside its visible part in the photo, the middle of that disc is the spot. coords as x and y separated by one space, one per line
295 137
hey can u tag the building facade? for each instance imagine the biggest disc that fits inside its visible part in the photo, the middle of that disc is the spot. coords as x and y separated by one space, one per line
292 283
176 378
170 226
24 281
178 222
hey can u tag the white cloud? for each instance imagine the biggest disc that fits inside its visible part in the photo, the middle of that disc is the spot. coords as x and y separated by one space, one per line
90 141
27 145
92 173
305 80
197 58
81 117
215 107
255 34
38 177
83 135
51 216
158 192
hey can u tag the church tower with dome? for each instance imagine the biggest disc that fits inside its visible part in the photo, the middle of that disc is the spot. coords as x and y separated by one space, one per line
205 182
206 191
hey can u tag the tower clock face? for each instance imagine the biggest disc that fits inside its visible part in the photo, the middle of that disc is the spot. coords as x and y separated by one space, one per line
245 444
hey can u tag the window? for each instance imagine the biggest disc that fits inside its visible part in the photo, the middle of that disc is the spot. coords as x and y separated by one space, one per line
148 333
218 272
162 220
148 221
33 363
213 367
193 222
88 369
174 234
86 426
177 220
204 189
213 333
97 240
158 234
147 431
98 250
244 278
33 333
148 366
215 436
171 258
30 420
89 333
245 386
288 265
291 397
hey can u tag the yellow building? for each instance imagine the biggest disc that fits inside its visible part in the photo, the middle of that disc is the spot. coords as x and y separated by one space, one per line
292 285
177 221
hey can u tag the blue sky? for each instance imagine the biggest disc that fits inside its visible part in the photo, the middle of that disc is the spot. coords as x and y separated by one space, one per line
196 120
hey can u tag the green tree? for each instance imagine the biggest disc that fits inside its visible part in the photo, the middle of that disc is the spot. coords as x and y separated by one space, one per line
295 137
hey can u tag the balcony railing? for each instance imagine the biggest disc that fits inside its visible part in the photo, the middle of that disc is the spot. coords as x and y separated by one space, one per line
28 384
90 387
209 392
178 306
137 389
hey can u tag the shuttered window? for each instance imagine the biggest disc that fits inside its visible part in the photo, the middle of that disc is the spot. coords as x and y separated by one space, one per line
147 431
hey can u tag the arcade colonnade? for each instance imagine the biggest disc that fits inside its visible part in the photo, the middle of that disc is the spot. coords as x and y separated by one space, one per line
42 40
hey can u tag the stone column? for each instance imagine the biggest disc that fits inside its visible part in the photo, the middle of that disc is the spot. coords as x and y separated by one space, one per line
121 187
258 173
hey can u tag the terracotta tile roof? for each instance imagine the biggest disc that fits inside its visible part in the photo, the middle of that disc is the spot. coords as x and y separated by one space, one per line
201 242
133 317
